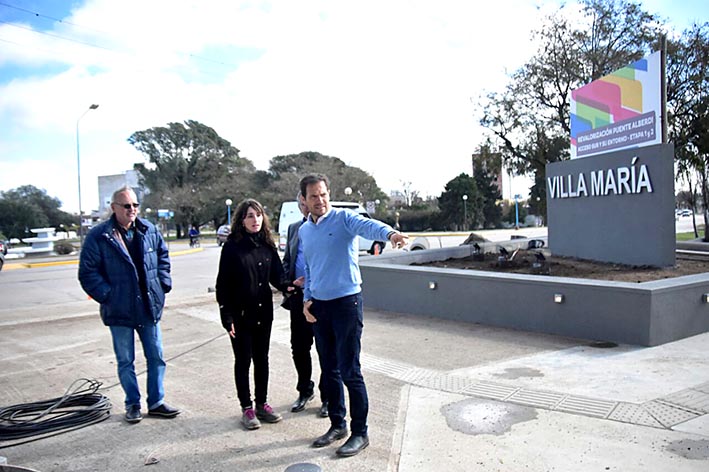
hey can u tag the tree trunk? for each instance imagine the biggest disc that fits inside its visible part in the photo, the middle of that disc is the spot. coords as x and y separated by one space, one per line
705 202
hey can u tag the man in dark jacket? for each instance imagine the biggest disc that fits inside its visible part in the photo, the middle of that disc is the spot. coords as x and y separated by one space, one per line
301 332
125 267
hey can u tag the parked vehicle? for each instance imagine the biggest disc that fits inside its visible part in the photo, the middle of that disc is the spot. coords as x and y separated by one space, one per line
3 247
686 212
222 233
290 214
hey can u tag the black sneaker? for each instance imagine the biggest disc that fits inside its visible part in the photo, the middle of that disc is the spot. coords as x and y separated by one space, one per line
164 411
265 413
133 414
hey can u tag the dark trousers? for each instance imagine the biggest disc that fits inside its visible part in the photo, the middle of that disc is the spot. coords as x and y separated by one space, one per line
301 341
338 335
251 343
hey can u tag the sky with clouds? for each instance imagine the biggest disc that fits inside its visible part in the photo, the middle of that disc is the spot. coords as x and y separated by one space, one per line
386 86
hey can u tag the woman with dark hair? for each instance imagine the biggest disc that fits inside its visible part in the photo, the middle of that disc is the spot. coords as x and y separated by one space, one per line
248 263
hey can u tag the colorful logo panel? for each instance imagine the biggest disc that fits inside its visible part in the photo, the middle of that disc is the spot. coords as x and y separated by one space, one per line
618 111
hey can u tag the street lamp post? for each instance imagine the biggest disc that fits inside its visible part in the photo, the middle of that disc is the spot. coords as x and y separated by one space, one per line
78 176
228 210
465 212
517 197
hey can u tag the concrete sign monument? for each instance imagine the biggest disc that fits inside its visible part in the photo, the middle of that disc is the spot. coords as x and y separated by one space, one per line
615 207
614 200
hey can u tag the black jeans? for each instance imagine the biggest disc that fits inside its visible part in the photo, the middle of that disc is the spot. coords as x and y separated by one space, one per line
338 335
251 343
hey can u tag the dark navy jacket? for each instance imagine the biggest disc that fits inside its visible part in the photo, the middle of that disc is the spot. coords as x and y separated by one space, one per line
107 274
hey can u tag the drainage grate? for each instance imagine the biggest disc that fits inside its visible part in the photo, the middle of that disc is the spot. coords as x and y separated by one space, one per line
490 390
668 415
539 399
633 414
586 406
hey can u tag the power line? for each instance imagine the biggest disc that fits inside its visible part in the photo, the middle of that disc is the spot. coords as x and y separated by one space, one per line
32 30
39 15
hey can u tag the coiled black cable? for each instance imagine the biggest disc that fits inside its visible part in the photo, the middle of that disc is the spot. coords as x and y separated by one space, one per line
80 406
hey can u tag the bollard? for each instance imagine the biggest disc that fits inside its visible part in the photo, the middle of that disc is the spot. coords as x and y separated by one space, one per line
303 467
15 468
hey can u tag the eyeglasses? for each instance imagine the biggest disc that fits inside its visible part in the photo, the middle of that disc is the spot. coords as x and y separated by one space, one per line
128 206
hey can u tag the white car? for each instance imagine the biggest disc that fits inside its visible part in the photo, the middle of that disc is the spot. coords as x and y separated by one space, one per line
290 214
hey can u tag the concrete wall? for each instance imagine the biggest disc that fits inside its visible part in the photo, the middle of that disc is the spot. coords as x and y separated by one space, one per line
646 314
678 307
627 228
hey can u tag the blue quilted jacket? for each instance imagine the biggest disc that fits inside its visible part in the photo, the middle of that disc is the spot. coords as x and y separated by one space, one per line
107 273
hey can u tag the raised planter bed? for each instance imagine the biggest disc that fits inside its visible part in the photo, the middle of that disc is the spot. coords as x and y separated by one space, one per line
648 314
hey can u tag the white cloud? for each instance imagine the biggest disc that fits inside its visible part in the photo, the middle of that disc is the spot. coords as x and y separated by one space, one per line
385 86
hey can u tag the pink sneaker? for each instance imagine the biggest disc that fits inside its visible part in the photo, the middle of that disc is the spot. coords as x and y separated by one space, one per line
249 419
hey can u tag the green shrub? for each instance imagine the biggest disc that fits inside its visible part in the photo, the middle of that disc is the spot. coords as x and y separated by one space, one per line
63 248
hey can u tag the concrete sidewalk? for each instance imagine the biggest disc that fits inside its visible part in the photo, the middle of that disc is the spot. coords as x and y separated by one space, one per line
443 396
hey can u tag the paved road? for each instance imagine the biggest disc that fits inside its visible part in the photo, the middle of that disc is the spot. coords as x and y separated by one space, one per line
53 290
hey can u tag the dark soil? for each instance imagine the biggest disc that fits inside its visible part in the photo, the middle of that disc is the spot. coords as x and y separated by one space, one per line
526 262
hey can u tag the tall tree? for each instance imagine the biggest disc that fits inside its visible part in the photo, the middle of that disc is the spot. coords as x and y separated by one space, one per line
457 212
530 117
409 193
191 170
688 109
487 166
286 171
17 218
28 207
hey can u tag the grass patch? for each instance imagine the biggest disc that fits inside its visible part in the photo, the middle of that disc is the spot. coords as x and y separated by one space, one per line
690 235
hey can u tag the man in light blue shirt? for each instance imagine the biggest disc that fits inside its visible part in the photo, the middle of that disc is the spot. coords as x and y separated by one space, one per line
333 302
